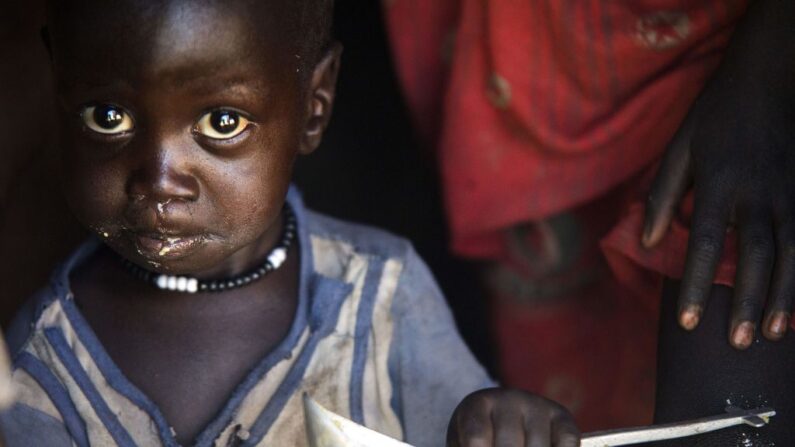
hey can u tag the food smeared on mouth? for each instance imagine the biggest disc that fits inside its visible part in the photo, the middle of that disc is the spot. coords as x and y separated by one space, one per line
166 246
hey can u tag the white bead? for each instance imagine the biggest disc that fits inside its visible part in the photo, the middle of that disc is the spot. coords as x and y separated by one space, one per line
277 257
182 283
193 285
172 283
162 281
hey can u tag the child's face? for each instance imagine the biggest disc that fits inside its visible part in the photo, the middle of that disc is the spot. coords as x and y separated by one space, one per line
180 123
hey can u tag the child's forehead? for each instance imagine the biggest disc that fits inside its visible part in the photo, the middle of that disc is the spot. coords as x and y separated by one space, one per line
176 38
125 16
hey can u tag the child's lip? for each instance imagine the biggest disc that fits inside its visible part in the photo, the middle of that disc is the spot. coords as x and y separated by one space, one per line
166 246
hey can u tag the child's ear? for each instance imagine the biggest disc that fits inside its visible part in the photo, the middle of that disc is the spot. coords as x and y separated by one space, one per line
320 100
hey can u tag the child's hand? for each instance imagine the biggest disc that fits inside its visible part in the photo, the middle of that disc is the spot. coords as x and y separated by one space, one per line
510 418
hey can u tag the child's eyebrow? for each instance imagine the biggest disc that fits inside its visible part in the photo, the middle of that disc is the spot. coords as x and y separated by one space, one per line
207 76
206 86
95 84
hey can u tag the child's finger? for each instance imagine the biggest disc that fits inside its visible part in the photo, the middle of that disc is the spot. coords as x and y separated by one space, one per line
779 304
471 425
538 430
565 433
509 427
7 393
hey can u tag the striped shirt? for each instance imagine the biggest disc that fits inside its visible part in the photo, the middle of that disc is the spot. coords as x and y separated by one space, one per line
372 340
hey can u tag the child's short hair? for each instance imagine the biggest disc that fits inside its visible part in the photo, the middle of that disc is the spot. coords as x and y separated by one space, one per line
312 21
316 22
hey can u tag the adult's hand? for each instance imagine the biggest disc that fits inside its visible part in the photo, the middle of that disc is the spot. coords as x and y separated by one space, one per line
736 148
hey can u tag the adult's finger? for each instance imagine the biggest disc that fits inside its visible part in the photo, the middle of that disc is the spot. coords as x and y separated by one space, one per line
756 255
670 183
704 248
779 305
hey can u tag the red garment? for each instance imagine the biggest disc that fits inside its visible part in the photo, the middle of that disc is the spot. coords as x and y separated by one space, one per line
548 118
565 328
537 106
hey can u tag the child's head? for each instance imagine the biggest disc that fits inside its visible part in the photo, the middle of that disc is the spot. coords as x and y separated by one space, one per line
181 119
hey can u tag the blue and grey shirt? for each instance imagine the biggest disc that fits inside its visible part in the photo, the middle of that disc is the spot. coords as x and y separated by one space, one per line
372 340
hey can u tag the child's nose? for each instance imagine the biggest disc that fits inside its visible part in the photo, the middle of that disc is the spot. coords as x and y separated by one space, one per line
164 174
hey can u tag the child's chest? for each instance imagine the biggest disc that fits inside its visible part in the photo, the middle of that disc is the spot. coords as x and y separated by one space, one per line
135 376
189 361
190 371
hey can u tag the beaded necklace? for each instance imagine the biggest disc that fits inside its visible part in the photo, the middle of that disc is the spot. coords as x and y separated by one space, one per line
187 284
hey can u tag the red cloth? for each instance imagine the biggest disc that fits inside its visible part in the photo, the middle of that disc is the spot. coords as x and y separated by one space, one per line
537 106
565 328
548 118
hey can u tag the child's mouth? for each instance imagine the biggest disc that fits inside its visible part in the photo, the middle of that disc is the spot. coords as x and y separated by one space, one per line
161 246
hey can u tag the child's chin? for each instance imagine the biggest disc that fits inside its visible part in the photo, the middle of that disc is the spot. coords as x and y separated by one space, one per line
177 256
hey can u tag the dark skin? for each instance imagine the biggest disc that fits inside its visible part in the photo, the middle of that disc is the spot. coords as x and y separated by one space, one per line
735 149
185 352
511 418
148 171
165 176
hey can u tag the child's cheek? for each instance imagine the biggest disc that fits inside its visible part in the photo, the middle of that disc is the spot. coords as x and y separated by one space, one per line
252 203
95 194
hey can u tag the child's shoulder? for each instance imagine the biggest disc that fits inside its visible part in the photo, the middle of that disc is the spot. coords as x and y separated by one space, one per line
346 250
327 233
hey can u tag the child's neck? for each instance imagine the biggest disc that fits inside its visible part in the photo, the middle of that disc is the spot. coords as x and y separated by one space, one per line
187 352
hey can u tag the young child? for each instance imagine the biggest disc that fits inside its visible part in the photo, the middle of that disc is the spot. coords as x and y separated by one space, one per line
211 299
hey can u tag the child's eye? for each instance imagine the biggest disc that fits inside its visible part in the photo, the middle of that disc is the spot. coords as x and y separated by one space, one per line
107 119
221 124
